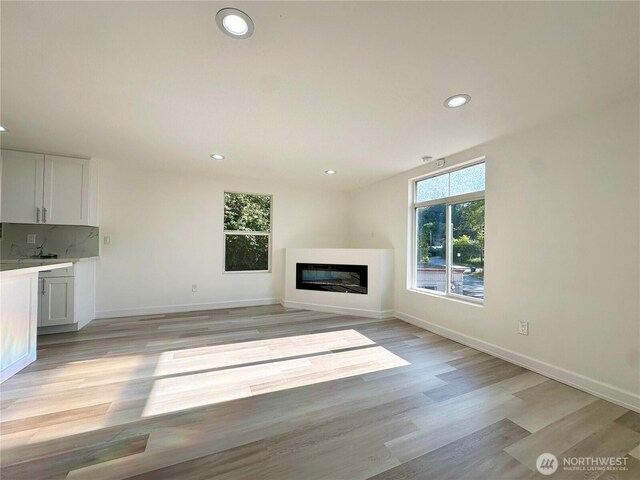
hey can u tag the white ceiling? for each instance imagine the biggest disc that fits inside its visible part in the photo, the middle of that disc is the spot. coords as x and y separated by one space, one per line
352 86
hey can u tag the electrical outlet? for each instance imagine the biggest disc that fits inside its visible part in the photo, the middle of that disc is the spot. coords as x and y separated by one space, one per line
194 288
31 238
523 328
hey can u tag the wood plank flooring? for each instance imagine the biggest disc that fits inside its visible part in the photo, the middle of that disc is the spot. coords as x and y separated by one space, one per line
274 393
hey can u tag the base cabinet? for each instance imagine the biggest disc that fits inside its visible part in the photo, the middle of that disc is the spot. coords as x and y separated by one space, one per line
57 301
18 328
66 298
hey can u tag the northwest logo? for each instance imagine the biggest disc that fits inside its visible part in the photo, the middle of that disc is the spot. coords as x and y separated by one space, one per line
547 463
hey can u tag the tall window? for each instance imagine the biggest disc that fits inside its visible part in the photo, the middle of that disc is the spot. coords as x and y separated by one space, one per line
247 232
448 220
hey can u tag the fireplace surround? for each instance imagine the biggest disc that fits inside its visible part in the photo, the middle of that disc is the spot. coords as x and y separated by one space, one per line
332 272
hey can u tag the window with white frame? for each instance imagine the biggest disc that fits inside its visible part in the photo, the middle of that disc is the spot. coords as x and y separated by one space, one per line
448 233
247 232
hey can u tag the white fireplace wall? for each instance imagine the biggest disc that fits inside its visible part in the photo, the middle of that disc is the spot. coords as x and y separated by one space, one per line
377 303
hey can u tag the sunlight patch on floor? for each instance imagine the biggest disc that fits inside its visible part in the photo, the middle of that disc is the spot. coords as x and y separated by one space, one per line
235 354
196 390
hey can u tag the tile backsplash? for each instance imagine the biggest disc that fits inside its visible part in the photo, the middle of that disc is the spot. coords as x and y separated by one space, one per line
67 241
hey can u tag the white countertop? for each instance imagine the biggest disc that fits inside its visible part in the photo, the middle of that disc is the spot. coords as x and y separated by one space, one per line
43 261
15 269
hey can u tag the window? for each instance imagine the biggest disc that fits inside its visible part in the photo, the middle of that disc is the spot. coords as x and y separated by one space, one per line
448 221
247 232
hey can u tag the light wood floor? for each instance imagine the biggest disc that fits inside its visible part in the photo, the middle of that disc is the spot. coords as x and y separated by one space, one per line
273 393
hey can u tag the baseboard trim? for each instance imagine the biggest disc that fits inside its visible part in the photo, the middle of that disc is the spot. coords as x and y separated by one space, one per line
608 392
358 312
191 307
58 329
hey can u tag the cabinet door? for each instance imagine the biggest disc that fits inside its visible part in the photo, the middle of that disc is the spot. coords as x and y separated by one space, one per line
22 186
66 190
56 301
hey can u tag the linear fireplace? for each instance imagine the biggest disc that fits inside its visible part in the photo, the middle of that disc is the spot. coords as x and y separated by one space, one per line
332 277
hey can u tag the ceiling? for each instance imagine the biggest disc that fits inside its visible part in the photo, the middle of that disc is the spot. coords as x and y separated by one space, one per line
357 87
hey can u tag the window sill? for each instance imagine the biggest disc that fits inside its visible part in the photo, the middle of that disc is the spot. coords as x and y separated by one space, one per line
443 296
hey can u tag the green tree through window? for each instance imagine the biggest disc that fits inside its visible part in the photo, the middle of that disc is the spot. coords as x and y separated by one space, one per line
449 211
247 232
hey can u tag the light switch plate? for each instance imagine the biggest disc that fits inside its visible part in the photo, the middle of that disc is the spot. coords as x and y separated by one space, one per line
107 240
31 238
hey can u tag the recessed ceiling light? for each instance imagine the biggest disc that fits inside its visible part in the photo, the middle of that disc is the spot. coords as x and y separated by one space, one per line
330 172
457 100
217 156
234 23
2 129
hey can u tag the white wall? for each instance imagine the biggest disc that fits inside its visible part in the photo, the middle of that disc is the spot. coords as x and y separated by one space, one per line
563 241
166 234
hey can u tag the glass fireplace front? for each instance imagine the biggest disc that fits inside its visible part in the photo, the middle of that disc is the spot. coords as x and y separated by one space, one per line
332 277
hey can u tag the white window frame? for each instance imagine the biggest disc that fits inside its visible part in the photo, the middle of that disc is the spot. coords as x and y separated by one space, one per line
246 232
412 262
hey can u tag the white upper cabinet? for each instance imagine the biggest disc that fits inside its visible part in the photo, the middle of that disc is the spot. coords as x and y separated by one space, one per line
22 187
66 190
52 189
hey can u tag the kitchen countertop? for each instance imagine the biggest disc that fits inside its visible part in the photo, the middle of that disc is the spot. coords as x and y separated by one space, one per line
15 269
43 261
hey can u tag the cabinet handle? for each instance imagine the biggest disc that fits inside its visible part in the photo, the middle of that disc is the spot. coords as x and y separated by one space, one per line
43 290
44 214
37 214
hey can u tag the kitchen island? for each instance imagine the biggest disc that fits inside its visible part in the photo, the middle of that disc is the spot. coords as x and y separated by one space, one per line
19 314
